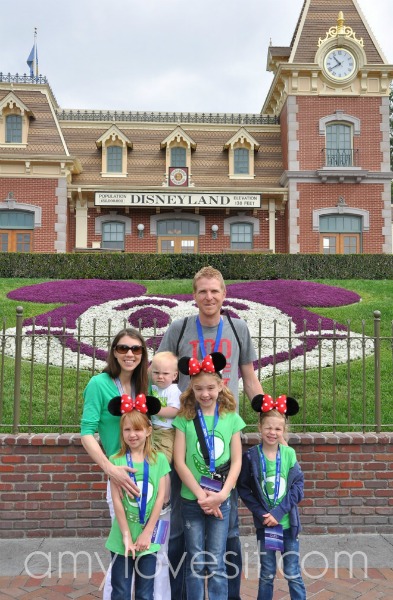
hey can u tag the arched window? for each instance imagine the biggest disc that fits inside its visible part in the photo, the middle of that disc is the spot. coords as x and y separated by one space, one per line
114 159
13 134
241 236
113 235
178 157
339 151
241 161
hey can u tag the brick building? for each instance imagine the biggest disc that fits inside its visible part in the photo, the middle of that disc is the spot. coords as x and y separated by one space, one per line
310 173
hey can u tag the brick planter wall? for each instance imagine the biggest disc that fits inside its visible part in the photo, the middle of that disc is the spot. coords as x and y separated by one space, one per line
49 486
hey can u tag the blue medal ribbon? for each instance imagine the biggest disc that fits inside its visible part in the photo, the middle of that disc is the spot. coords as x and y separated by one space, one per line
209 438
142 501
202 340
264 475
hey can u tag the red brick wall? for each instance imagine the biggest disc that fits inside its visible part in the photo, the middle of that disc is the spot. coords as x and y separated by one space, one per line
365 197
39 192
311 144
49 486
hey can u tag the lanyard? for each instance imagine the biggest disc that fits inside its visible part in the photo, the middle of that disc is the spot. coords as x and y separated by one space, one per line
120 387
201 338
209 438
277 478
142 502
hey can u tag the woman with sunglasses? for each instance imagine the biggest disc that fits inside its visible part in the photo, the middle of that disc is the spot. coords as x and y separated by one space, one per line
125 373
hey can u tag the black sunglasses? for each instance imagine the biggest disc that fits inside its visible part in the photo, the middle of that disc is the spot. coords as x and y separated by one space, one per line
123 349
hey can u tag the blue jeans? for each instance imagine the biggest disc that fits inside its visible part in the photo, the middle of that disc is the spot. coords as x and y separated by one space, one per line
176 545
234 563
122 569
206 538
292 573
176 548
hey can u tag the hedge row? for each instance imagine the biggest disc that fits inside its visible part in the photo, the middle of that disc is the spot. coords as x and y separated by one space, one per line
183 266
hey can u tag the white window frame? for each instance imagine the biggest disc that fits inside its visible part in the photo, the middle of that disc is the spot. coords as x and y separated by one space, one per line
9 106
242 140
114 137
178 138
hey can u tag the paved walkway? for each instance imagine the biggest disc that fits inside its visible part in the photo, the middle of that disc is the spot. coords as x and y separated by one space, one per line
39 569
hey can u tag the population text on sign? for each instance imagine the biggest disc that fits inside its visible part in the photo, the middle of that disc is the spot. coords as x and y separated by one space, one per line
186 200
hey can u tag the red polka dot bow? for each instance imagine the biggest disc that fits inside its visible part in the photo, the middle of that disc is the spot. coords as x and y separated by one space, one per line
195 367
127 404
279 404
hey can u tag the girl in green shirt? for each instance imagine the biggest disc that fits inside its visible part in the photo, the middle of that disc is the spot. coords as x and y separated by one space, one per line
136 519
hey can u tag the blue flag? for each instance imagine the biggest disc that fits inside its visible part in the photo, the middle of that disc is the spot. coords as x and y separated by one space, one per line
32 61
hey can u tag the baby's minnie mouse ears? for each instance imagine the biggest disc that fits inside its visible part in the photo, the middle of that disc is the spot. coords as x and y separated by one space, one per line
285 405
212 363
147 405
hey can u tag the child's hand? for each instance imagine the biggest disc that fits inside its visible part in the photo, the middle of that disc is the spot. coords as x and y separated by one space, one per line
129 546
143 541
211 504
269 520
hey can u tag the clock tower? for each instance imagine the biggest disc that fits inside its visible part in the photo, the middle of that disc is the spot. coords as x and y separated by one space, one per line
331 93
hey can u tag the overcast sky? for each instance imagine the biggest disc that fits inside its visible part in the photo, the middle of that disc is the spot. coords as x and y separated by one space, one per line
159 55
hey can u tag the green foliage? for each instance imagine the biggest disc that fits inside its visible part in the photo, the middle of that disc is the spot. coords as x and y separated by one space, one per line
182 266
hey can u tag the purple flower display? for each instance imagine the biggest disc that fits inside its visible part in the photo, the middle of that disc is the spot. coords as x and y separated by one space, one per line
150 317
100 300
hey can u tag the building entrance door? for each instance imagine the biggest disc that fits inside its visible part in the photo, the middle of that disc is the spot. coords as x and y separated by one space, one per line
15 241
177 245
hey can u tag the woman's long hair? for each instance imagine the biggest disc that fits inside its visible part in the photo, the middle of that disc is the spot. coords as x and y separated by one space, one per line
139 375
188 404
139 422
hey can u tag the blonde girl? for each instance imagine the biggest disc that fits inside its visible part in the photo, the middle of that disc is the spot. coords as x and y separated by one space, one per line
271 486
130 539
207 455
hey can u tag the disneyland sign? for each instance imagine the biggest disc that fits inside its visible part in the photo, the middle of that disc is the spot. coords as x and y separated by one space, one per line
206 200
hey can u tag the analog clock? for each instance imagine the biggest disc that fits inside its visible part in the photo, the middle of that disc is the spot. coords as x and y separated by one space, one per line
340 64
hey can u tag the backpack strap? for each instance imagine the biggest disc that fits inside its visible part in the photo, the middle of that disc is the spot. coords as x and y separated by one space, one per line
183 327
228 316
201 440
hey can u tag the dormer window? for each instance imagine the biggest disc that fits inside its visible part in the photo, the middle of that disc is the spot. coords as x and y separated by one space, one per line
13 129
241 148
14 121
114 156
178 146
178 156
241 161
114 146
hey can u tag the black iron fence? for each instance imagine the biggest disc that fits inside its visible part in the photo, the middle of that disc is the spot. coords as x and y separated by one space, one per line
341 378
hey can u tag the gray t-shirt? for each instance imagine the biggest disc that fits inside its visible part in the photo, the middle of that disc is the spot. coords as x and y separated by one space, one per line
189 346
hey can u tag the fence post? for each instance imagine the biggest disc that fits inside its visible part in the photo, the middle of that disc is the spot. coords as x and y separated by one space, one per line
17 371
377 369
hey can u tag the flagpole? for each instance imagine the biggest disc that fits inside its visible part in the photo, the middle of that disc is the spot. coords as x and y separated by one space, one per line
35 52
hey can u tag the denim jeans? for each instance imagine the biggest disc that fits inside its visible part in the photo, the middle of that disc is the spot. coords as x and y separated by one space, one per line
291 568
234 563
206 538
122 570
176 545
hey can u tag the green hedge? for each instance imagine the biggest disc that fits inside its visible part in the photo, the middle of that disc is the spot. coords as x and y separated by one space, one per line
183 266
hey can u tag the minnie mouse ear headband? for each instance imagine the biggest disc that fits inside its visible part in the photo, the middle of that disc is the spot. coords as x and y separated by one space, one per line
147 405
285 405
212 363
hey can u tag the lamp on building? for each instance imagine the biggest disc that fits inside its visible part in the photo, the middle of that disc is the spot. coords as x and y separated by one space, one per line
141 229
214 231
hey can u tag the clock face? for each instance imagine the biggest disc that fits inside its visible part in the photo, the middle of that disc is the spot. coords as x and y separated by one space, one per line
340 64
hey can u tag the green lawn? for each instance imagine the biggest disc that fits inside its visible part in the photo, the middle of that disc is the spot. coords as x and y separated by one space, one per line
339 398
